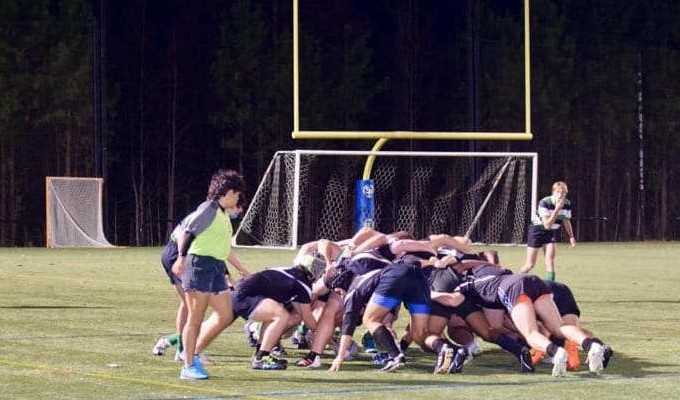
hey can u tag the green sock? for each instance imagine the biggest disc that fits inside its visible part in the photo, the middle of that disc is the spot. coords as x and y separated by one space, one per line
176 340
550 276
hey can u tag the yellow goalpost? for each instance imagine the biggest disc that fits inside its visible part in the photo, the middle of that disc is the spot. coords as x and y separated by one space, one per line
273 219
411 135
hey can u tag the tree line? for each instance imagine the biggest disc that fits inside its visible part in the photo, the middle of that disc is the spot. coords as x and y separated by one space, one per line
196 86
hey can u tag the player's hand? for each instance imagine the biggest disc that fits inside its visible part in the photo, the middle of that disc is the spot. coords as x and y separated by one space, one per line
335 366
178 266
244 273
572 242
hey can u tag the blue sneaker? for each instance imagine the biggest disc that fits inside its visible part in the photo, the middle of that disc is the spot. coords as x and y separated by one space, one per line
198 363
192 373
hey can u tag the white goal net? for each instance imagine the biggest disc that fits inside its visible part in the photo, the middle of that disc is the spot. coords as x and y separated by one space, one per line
306 195
74 212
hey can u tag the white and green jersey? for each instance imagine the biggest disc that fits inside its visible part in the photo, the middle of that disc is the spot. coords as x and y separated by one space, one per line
546 207
211 227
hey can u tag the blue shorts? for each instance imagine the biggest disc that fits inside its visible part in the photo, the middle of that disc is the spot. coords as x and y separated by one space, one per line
403 282
538 237
168 258
204 274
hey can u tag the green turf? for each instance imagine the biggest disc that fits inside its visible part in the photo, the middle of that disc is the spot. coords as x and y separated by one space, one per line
80 324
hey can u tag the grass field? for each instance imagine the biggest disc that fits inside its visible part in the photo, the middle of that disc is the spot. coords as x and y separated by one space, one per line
80 324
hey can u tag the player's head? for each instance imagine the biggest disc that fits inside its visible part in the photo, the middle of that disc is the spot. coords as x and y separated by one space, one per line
559 189
314 263
223 181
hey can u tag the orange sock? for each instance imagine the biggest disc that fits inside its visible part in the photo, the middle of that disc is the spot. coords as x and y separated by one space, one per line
573 360
536 356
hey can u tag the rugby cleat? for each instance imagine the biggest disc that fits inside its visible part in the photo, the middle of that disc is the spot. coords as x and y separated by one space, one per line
393 363
269 363
444 360
310 361
525 360
560 363
279 350
160 346
596 358
459 359
380 358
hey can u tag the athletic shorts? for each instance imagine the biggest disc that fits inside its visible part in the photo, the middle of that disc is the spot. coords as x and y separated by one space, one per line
168 258
466 308
403 282
244 305
537 237
515 287
564 299
440 310
204 274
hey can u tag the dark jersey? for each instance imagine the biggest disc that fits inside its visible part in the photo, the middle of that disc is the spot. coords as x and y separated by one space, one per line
364 262
483 287
358 295
444 279
279 284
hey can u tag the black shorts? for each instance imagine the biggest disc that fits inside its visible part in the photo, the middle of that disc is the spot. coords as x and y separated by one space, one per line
244 305
168 258
564 299
440 310
466 308
513 287
538 237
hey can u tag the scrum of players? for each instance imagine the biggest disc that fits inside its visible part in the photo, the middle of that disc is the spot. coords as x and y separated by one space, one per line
450 293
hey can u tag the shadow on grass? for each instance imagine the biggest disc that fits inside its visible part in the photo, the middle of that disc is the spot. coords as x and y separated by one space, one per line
493 362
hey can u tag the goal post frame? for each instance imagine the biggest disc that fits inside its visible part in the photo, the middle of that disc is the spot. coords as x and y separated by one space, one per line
294 242
49 239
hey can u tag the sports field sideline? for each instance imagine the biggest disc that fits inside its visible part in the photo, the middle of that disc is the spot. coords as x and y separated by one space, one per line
80 324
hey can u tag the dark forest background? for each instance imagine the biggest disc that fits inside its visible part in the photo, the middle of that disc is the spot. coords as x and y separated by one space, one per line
155 95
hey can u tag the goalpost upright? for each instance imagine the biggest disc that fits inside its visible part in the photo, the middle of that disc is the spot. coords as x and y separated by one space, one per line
412 135
383 136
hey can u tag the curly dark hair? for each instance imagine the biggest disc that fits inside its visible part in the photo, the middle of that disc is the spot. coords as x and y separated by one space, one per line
223 181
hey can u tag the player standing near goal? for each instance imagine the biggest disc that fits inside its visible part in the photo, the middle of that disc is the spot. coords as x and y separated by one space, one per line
204 245
553 212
